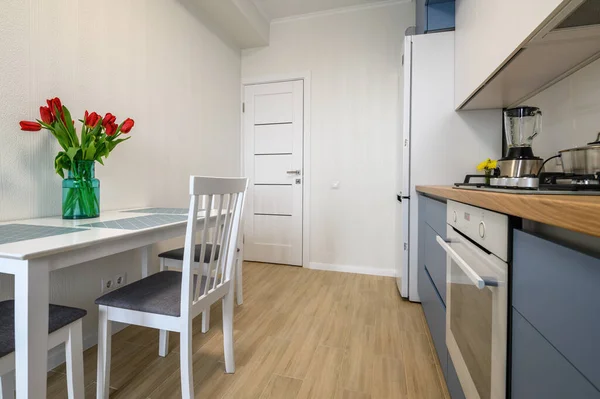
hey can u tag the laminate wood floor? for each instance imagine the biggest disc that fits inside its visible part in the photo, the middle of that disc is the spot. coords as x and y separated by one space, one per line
299 334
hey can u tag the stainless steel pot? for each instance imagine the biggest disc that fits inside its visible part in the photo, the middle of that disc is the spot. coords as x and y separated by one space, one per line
582 160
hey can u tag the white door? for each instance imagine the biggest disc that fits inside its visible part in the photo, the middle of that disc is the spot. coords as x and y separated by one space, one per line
273 135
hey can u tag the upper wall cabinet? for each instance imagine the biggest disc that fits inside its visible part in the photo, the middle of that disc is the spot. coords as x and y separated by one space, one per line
506 51
434 16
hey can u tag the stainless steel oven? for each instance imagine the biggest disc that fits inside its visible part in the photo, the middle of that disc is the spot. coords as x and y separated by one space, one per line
476 248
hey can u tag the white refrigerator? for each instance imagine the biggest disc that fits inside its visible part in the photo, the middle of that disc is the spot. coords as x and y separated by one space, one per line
439 145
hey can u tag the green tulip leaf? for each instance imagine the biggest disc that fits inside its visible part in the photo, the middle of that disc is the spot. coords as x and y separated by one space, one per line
61 162
68 122
72 152
90 152
113 144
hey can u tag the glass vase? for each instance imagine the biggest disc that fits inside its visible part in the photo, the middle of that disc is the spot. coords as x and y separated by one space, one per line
81 192
488 176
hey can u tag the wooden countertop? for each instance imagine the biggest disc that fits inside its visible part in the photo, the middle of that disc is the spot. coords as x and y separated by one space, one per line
579 213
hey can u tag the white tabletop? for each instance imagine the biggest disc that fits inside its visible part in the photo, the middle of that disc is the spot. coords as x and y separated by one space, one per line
39 247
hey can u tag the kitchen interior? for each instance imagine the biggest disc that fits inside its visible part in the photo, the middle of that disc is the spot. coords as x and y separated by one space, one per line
471 126
504 260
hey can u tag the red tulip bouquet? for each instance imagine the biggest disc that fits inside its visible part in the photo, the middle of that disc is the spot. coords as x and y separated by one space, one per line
99 136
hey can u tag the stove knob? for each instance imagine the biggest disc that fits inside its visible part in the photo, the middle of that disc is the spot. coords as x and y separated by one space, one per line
481 229
454 217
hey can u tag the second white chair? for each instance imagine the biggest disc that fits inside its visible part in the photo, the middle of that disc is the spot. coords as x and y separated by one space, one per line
170 300
64 326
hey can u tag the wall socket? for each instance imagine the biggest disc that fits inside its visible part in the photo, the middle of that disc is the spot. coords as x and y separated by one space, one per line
113 283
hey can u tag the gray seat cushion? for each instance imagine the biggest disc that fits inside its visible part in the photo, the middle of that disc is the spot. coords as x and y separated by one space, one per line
159 293
59 316
177 254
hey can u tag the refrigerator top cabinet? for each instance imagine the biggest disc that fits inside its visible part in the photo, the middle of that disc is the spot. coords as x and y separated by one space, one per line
440 145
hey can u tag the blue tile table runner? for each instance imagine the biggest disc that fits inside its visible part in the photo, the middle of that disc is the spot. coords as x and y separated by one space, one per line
165 211
20 232
139 222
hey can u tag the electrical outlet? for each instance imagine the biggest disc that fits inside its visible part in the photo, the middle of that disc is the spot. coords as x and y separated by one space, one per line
107 285
120 280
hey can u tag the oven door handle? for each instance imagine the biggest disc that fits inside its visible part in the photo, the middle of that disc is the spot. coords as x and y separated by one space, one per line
468 270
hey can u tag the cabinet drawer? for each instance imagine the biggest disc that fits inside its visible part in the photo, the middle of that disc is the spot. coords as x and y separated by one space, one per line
435 261
435 215
556 289
435 314
540 371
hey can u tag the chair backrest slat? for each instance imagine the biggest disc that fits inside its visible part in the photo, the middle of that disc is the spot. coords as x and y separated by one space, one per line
188 257
203 243
232 238
215 244
226 237
223 201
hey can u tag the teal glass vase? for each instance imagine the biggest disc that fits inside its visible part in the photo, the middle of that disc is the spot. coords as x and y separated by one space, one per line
81 192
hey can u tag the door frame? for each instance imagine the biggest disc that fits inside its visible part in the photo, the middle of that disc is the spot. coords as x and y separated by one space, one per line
279 78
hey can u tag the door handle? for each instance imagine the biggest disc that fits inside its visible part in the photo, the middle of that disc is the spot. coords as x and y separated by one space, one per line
294 172
471 274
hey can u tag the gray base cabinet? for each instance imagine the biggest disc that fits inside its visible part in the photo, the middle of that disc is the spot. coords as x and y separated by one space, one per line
432 284
540 371
435 314
555 312
556 324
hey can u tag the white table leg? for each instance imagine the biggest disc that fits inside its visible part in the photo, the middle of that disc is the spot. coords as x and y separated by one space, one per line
31 327
146 253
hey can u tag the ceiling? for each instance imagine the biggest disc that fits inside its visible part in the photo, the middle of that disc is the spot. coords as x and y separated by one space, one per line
274 9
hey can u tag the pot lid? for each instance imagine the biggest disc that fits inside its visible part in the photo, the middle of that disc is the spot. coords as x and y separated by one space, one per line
597 142
593 144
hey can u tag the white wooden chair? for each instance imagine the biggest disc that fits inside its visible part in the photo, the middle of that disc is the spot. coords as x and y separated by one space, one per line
64 327
170 300
173 260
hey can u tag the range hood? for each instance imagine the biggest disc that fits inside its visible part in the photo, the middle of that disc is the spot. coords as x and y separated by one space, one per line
569 41
578 19
585 15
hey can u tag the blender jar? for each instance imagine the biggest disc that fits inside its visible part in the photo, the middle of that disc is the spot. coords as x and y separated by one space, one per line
522 124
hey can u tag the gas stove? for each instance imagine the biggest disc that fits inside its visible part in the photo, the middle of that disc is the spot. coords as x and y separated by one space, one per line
546 183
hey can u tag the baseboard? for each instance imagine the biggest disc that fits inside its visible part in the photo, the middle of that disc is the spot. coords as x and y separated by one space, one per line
373 271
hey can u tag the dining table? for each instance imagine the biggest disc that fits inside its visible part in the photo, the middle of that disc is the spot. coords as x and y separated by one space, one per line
31 249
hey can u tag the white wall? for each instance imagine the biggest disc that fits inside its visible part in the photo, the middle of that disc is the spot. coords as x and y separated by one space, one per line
150 60
570 113
355 62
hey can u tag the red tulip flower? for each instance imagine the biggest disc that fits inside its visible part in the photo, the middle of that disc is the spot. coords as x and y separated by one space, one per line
91 120
109 119
56 118
54 104
27 126
46 115
127 125
111 129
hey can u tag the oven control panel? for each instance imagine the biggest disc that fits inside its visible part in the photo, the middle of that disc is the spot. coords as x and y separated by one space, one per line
487 228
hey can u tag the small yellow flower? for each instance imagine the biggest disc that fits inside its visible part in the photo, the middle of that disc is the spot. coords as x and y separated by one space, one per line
488 164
